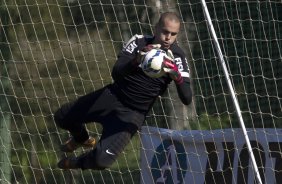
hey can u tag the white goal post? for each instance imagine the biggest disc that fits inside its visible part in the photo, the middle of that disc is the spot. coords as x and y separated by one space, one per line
234 99
52 52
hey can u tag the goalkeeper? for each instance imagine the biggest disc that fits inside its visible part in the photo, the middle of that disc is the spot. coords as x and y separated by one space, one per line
121 107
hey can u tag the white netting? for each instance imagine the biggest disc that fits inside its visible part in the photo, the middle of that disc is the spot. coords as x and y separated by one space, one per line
55 51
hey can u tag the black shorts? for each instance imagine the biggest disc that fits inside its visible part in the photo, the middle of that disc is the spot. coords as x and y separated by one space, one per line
100 106
119 124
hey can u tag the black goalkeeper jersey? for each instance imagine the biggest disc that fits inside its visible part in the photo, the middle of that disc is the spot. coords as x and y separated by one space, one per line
137 90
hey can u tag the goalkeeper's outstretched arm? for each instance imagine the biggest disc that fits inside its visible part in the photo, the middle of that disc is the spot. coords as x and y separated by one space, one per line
180 76
184 91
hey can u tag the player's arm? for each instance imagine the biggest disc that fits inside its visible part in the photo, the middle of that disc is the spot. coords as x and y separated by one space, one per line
126 62
130 57
184 91
123 66
178 71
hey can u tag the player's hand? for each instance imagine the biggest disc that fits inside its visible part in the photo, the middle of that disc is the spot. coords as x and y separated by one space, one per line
141 53
169 54
171 68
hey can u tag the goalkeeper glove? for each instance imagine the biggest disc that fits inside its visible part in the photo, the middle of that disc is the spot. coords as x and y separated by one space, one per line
143 52
171 68
169 54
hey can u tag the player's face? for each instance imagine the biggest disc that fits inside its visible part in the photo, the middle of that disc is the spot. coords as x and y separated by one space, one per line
166 34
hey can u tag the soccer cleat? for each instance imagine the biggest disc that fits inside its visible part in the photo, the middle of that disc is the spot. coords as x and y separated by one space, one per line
72 145
68 163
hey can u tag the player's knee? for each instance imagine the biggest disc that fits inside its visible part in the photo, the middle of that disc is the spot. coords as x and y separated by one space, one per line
96 160
109 155
102 158
105 160
59 118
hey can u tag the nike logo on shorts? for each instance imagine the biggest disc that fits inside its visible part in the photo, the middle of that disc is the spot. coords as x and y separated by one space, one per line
109 152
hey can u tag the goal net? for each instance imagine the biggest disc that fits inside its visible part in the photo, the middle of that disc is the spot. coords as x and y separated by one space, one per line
52 52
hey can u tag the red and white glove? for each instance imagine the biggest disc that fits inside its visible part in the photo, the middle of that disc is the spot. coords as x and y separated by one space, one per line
172 69
144 50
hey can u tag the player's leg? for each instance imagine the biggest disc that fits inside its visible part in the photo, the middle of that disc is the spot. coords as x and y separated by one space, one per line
68 119
72 117
104 155
117 133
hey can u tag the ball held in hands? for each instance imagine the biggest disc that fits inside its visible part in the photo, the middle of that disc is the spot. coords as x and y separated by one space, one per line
142 53
156 62
152 63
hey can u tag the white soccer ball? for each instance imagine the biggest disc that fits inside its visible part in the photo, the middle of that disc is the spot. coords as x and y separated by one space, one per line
152 64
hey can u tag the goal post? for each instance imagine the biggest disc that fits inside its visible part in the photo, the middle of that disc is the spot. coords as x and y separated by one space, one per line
234 98
52 52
